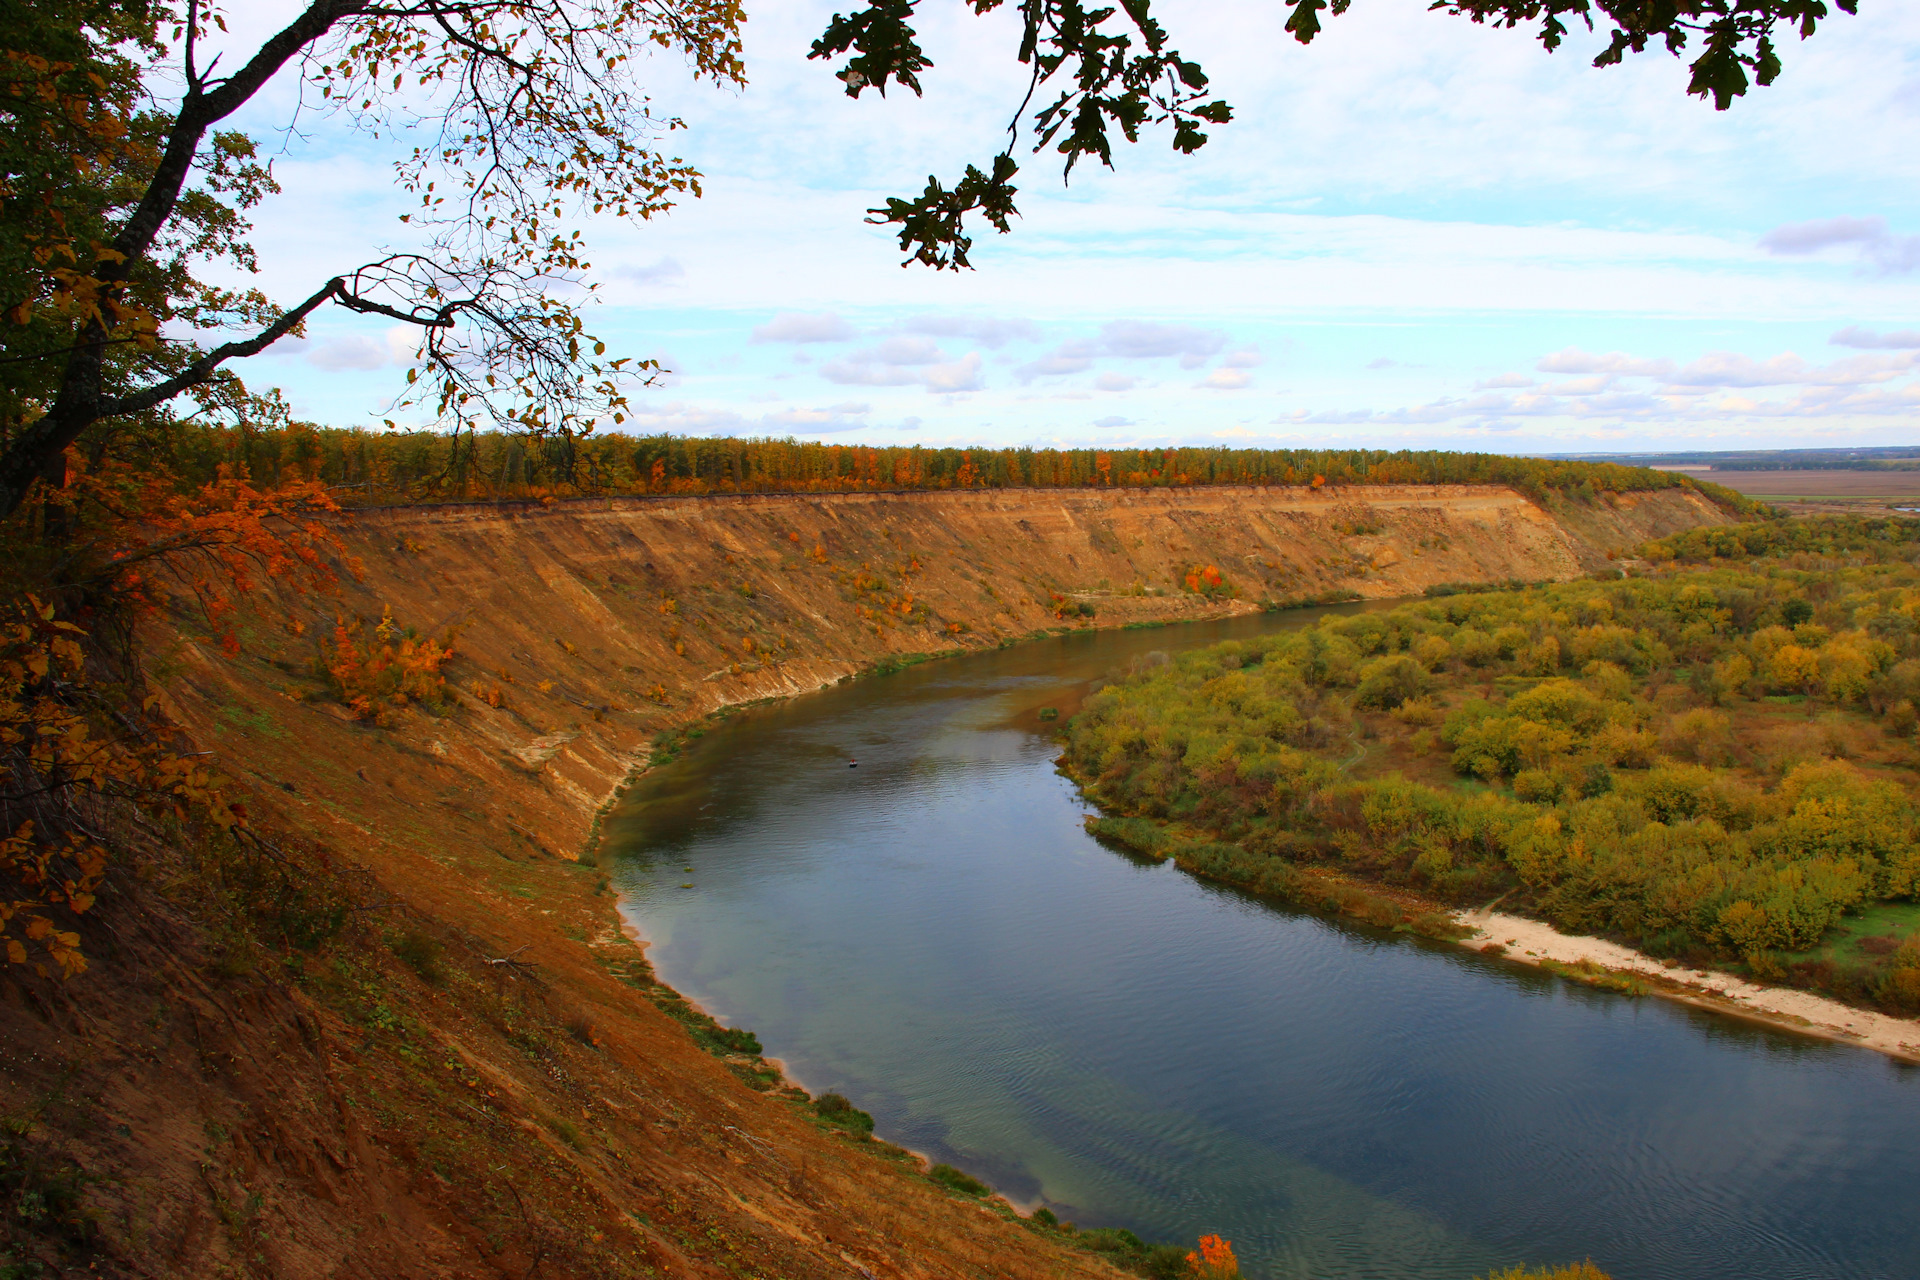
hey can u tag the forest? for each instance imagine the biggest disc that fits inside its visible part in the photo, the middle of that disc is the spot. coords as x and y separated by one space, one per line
363 467
1708 754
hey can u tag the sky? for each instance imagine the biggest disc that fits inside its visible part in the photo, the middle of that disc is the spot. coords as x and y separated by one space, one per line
1416 233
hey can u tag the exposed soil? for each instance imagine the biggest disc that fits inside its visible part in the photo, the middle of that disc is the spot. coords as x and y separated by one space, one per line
476 1076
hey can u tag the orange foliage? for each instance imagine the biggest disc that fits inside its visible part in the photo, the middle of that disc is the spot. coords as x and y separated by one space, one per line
1214 1260
218 543
387 668
56 748
1205 579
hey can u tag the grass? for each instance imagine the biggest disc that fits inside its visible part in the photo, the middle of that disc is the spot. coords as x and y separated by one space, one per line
1846 943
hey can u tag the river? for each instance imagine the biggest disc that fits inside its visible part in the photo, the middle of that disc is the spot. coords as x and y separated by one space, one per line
933 935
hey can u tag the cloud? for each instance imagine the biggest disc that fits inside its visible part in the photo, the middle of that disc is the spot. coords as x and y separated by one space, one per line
1068 357
1246 358
361 351
1132 340
988 331
849 373
1111 381
1588 386
1504 380
1727 369
351 352
1889 254
906 362
961 375
902 351
664 272
682 418
1113 420
1144 340
796 326
1855 336
1574 360
1225 379
896 362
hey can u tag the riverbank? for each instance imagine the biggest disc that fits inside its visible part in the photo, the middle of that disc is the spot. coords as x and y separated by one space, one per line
1537 943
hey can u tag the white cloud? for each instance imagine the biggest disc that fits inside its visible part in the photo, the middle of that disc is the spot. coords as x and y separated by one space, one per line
1728 369
1574 360
795 326
679 417
902 351
1246 358
1112 381
850 373
1888 253
989 331
1068 357
1504 380
1855 336
1592 385
1113 420
353 351
961 375
664 272
359 351
1225 379
1144 340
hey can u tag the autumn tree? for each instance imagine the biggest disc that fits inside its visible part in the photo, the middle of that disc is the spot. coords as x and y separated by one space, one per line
529 116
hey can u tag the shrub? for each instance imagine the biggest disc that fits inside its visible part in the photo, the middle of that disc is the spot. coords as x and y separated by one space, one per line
954 1180
1389 682
840 1113
420 952
1572 1271
387 667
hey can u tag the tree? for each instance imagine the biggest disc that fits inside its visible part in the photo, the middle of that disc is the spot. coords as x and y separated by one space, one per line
532 115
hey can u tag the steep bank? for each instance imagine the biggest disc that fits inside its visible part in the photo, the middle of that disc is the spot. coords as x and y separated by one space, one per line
466 1081
595 625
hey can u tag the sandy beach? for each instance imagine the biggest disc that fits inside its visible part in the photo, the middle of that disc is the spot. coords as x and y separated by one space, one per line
1530 941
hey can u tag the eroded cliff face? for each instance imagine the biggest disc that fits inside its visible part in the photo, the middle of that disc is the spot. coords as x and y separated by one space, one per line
359 1112
596 624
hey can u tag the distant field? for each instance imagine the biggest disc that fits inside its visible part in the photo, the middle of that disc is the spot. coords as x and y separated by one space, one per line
1818 484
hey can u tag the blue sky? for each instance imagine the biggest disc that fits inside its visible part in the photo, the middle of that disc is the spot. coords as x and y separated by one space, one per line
1417 233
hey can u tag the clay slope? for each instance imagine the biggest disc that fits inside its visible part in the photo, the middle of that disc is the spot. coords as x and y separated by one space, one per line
473 1076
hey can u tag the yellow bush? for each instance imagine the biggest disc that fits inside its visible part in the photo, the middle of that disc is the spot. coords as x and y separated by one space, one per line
1792 669
1572 1271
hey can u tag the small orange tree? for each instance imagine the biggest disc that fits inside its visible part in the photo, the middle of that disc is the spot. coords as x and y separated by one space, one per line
1213 1260
386 666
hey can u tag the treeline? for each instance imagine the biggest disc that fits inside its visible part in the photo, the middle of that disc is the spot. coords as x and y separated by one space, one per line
363 467
1614 767
1846 536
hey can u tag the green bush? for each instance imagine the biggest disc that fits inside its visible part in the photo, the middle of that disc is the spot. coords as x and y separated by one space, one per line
840 1113
954 1180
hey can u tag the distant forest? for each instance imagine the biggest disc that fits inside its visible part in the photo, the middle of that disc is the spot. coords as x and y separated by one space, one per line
1887 458
369 468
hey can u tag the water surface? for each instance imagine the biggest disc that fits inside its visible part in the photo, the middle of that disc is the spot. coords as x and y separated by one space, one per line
935 936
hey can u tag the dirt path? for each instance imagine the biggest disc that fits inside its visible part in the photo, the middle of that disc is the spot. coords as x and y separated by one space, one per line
1530 941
